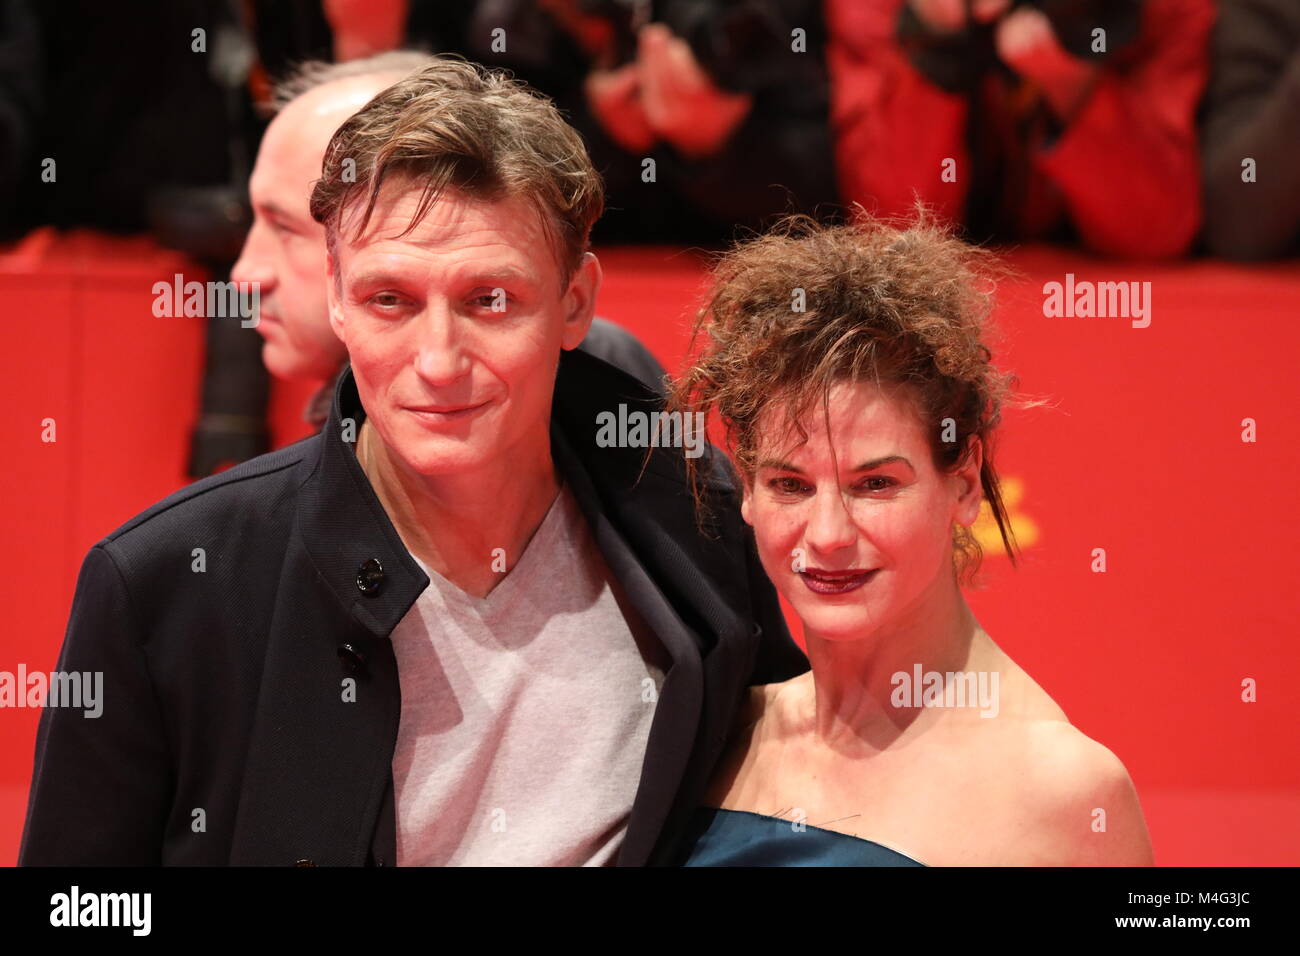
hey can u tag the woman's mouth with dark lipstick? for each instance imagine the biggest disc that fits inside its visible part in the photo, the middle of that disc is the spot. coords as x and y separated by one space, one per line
821 581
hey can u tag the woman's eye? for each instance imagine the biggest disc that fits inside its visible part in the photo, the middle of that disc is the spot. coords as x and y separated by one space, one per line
878 483
786 485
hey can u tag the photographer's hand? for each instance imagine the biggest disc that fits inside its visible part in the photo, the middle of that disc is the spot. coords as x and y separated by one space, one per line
614 97
949 16
681 101
1027 43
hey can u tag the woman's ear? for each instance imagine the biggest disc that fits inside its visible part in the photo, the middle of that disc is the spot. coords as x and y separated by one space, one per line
970 491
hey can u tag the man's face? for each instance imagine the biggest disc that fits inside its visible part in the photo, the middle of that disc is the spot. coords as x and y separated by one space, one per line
285 250
454 331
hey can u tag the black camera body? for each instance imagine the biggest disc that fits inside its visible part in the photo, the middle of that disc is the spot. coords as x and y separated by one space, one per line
1075 21
741 43
956 61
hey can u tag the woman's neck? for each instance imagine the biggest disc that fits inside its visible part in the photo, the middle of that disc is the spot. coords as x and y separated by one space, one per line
848 699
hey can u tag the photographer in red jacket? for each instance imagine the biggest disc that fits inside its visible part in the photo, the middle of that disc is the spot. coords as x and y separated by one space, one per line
1023 119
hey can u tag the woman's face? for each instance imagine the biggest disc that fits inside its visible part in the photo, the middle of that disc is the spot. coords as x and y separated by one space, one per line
854 526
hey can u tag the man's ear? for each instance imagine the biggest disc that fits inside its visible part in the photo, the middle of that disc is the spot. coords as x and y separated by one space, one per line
332 299
970 494
580 300
746 495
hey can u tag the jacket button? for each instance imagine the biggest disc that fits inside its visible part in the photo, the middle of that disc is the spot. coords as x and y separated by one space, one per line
351 657
370 577
304 863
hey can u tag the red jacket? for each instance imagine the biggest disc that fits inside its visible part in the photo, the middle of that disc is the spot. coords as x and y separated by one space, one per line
1124 172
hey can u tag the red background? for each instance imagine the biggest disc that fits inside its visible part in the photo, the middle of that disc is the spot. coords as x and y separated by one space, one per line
1141 455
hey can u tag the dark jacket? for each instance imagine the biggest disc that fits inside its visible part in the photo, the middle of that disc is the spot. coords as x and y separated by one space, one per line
1252 110
224 737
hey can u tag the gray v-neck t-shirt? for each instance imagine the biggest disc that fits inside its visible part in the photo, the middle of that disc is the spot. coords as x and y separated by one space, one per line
525 714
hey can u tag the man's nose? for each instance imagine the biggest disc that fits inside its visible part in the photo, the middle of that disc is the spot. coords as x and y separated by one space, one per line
830 523
440 357
254 263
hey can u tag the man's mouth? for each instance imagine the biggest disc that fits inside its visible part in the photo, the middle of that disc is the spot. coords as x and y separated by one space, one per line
822 581
434 414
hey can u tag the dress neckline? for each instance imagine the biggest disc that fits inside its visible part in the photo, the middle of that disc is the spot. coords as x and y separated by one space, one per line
838 833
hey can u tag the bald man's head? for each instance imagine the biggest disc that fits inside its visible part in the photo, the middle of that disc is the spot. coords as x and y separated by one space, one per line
285 250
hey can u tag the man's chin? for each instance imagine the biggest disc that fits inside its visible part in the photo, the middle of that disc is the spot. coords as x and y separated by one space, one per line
291 366
280 363
438 456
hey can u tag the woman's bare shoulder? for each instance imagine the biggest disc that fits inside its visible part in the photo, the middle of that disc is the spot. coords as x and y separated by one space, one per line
761 702
735 766
1078 799
1019 695
1070 797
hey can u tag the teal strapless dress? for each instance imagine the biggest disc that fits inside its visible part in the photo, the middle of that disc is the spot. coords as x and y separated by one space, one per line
739 838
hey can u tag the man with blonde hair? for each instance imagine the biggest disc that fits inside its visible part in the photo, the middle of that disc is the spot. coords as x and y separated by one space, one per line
454 627
284 253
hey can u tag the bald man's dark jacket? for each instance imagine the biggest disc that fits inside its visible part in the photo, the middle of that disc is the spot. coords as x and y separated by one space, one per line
225 736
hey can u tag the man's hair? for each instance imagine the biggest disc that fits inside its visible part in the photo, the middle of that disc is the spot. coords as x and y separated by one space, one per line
313 73
458 125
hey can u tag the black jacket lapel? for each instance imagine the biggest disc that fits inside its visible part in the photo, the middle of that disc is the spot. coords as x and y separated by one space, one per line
644 526
320 757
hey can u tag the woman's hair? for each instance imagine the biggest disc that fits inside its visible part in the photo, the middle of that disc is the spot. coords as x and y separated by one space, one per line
805 306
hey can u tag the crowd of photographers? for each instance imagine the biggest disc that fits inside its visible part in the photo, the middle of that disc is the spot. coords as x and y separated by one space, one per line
1142 128
1133 128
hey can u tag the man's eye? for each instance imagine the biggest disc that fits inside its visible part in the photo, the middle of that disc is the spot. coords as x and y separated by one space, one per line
492 301
386 300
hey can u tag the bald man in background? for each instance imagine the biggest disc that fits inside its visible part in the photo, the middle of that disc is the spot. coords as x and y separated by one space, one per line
285 249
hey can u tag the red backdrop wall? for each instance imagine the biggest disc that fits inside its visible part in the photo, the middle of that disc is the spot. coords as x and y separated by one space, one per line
1142 455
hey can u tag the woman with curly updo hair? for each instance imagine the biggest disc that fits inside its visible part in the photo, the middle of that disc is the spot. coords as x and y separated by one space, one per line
850 371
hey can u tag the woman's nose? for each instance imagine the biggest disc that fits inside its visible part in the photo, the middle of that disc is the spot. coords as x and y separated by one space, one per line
830 524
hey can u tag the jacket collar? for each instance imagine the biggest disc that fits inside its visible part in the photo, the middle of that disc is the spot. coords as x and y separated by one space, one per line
345 528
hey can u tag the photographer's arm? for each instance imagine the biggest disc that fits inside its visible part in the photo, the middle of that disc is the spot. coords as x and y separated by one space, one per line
1127 163
895 127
